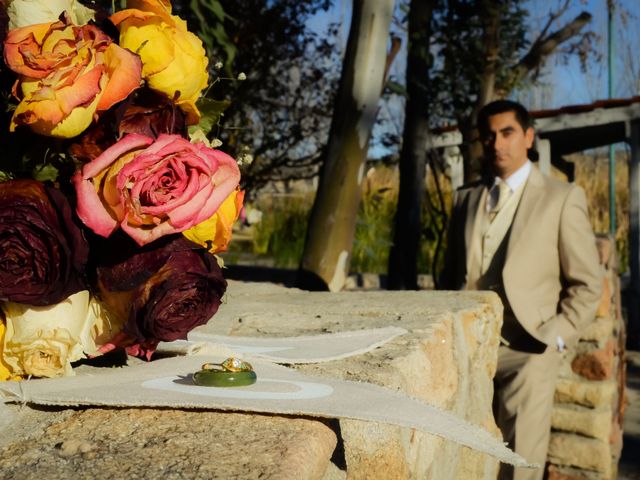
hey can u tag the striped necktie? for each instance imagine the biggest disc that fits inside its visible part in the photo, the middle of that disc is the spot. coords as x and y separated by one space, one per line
503 195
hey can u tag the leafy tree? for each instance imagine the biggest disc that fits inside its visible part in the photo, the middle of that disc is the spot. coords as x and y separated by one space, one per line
486 53
281 113
481 52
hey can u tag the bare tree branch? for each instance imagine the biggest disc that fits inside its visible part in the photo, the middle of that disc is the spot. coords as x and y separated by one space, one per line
553 16
541 49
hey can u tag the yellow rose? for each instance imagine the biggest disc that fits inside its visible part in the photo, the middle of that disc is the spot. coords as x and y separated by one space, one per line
5 373
30 12
174 62
43 341
215 233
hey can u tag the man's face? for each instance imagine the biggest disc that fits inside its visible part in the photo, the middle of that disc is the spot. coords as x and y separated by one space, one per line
506 143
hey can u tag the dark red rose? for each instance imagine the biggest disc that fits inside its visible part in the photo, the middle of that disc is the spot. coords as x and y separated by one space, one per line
43 252
163 290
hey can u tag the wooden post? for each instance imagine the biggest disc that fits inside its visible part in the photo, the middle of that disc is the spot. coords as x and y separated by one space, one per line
543 146
633 294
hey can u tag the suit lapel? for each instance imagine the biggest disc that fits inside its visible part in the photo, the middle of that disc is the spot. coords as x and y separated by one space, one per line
532 194
472 208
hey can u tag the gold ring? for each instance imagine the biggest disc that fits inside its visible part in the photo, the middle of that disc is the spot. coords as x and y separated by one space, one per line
231 364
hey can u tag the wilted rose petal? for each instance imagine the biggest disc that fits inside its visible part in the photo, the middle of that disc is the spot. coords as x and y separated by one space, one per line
215 233
43 341
29 12
176 287
68 74
153 188
43 252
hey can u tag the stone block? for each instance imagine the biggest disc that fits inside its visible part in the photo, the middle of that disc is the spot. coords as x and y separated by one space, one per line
555 472
171 444
447 358
596 364
351 283
605 247
604 308
585 392
425 282
591 422
370 281
615 438
581 452
599 330
334 473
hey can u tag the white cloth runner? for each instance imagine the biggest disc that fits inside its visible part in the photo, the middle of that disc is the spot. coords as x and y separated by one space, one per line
168 383
290 350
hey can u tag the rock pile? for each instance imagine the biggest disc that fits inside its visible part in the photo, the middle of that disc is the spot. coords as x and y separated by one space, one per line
586 438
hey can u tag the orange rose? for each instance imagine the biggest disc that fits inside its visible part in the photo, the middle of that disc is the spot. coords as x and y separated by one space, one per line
67 74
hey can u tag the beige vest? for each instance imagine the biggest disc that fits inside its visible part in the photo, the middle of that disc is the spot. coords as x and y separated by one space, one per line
488 243
488 253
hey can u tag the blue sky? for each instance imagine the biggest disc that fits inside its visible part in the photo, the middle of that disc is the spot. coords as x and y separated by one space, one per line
561 83
564 84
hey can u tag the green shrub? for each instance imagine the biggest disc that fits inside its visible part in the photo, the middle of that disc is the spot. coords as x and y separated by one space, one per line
281 232
374 224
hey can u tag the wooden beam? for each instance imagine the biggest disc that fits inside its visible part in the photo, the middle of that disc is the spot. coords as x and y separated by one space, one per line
599 116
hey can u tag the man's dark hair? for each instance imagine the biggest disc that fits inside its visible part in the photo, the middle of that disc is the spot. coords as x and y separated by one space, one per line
523 116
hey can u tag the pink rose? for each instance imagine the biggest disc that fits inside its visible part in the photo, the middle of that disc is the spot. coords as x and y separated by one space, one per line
153 188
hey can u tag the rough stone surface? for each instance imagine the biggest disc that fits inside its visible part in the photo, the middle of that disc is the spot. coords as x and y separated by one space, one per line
594 423
170 444
448 359
604 245
585 392
596 364
590 393
600 330
568 473
582 452
604 308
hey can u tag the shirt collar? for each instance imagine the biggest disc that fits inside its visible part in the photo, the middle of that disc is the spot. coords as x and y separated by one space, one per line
517 178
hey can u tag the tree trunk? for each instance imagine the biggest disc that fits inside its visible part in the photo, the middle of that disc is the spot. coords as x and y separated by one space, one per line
402 270
487 86
327 251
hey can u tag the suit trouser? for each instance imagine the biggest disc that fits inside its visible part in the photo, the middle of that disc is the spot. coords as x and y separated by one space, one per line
524 387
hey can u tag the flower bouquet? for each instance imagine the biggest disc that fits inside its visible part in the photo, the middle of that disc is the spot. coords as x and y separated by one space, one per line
110 217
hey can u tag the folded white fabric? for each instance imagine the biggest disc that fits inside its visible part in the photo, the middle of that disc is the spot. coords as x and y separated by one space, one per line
289 350
168 383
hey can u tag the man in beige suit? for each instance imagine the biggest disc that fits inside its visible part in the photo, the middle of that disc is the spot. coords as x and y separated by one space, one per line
527 237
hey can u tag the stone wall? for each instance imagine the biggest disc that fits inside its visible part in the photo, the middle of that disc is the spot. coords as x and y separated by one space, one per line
586 438
447 358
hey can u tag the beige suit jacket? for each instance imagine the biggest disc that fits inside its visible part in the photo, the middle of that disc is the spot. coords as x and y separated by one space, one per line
551 275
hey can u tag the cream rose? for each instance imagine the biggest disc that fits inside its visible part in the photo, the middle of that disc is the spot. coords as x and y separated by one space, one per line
30 12
43 341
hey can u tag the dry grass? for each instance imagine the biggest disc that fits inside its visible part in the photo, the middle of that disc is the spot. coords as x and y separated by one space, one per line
281 233
592 174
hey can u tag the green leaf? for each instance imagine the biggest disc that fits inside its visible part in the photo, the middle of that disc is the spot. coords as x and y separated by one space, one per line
45 173
395 87
211 110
